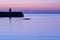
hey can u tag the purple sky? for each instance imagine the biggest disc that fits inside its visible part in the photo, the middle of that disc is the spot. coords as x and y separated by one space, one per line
29 5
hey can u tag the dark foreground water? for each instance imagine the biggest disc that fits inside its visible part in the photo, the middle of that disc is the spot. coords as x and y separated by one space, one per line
40 27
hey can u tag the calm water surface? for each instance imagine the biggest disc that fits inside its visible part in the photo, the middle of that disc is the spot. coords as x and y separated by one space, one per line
40 27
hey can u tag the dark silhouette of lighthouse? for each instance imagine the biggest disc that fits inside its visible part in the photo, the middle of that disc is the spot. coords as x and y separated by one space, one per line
11 14
10 10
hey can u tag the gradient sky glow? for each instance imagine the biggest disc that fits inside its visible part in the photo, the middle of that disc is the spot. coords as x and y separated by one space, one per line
30 4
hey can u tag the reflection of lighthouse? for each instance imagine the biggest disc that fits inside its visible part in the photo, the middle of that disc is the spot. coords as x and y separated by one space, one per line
10 14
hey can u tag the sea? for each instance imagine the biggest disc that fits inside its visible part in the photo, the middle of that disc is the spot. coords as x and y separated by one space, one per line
37 27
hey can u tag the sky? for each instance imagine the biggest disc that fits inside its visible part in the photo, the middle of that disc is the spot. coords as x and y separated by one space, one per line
43 25
29 5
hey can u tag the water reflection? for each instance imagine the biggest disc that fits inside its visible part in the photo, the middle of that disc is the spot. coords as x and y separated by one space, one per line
37 26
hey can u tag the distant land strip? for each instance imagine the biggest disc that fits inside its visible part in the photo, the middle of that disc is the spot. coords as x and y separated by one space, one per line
43 12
